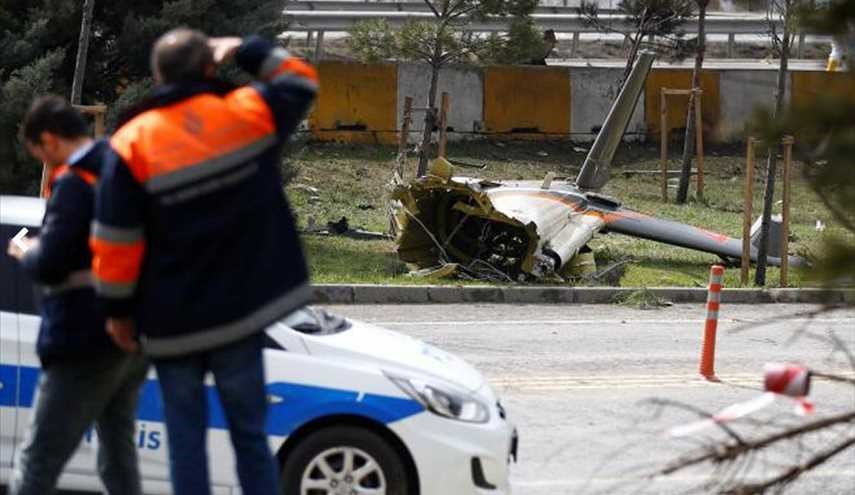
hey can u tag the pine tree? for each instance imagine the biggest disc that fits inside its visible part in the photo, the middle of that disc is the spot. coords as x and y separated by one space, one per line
38 47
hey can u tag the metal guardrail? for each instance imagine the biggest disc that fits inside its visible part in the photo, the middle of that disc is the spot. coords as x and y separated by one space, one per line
397 6
323 20
319 16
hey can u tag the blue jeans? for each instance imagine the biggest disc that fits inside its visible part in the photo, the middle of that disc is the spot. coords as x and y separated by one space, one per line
238 372
71 395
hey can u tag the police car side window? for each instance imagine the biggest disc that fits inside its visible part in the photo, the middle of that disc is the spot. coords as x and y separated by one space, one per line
17 294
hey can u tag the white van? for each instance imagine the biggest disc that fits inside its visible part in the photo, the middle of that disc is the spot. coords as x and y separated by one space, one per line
354 409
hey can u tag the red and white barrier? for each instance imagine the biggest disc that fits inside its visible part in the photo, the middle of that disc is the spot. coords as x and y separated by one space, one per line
787 379
707 366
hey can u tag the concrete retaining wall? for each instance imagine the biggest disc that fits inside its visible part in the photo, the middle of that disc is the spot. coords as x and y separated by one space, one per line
464 87
807 86
527 102
741 92
356 103
364 103
678 104
594 91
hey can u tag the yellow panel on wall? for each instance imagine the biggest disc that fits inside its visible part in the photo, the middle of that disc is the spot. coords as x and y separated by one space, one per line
806 86
677 105
527 101
356 103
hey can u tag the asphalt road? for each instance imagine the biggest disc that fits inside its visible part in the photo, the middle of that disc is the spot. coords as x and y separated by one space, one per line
575 379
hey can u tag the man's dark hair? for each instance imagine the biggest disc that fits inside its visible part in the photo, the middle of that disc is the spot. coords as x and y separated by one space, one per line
55 115
181 55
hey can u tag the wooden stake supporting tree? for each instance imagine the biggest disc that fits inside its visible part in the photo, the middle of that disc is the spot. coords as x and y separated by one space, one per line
663 138
699 143
785 209
98 113
748 210
400 161
443 126
407 119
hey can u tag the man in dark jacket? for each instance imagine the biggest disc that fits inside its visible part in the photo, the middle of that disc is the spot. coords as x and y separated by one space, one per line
195 247
85 377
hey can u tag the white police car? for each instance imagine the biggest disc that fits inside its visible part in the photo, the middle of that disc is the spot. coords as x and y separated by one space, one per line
354 409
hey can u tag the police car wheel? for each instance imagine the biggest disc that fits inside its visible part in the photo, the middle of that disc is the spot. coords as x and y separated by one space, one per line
344 460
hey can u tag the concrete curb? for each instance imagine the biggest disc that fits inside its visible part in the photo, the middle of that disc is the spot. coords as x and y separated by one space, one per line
425 294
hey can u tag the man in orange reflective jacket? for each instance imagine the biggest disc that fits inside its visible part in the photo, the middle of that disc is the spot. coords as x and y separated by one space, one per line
195 248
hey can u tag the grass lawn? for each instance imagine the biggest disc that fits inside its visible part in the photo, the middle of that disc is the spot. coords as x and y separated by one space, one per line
351 181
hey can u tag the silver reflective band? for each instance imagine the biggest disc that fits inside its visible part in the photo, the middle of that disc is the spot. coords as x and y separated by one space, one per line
712 315
118 235
212 337
76 280
210 186
115 291
210 167
272 62
296 80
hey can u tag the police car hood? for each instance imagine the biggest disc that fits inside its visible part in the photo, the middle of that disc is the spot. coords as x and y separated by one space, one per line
394 352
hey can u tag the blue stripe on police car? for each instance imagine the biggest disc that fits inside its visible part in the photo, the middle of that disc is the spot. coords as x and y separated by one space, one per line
293 404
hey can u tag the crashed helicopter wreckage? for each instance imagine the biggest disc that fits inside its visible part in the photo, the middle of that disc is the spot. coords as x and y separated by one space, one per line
531 229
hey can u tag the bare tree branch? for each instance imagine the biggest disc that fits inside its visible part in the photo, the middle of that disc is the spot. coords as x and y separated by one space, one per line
792 473
432 8
777 319
727 452
465 11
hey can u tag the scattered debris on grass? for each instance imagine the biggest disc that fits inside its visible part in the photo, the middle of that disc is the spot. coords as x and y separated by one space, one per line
642 299
341 227
449 270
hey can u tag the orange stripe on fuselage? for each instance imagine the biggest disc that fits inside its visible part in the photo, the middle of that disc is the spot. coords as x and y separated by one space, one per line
193 131
116 263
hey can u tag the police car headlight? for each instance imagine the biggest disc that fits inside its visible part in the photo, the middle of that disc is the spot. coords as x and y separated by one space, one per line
443 401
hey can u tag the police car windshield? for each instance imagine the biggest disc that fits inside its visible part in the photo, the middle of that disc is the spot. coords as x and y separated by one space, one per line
316 321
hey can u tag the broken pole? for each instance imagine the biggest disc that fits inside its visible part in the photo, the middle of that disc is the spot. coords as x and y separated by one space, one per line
748 211
707 367
443 125
663 143
699 143
785 209
82 51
